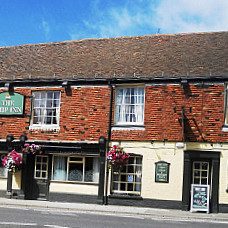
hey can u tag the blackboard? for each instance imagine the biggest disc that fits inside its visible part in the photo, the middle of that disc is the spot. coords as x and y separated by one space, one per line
200 197
162 171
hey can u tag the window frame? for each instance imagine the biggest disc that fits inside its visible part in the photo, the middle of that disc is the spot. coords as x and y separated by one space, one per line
41 170
121 173
142 105
45 108
83 161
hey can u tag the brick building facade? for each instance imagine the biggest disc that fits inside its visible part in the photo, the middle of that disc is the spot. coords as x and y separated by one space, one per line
162 98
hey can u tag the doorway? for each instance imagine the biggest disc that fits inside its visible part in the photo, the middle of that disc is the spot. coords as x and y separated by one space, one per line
201 167
38 176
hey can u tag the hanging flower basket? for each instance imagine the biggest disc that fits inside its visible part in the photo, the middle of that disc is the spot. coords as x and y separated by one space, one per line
117 158
12 161
33 148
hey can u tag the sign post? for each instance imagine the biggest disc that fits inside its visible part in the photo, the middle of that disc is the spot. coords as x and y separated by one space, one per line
200 197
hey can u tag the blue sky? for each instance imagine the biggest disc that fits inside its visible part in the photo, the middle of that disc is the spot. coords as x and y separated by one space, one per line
41 21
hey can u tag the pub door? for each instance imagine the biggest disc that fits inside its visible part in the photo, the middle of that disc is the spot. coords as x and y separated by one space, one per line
201 167
38 176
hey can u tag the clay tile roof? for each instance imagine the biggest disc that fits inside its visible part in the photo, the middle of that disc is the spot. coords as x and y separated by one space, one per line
151 56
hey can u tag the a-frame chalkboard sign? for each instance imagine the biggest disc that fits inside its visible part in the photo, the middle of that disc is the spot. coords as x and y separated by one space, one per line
200 197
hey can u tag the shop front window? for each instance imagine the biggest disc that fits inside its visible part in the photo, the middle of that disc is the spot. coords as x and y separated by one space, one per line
76 169
127 181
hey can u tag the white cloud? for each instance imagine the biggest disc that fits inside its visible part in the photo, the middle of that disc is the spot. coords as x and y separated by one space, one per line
192 16
138 17
46 28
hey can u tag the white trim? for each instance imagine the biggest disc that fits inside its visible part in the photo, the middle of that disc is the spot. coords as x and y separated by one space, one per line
44 127
128 128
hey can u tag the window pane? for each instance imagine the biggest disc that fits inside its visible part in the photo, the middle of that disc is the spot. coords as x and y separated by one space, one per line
56 95
92 169
75 172
76 159
89 170
60 168
204 181
205 166
50 95
196 181
197 165
37 173
204 174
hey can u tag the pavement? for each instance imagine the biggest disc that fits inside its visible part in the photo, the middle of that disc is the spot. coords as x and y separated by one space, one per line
165 214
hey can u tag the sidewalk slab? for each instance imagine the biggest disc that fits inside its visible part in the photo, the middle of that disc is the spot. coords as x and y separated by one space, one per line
113 209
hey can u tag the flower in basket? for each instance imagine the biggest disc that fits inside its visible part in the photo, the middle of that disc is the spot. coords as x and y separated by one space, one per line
33 148
117 157
12 161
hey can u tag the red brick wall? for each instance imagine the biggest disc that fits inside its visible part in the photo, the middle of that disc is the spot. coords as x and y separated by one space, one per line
85 115
204 111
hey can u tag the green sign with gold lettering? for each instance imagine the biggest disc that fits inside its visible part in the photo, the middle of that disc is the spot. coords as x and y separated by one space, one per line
11 104
162 171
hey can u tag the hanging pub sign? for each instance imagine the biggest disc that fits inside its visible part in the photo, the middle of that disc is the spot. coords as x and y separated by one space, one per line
11 104
200 197
162 171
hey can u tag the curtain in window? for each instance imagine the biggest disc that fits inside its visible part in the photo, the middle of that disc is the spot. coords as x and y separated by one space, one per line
139 101
60 168
130 105
96 170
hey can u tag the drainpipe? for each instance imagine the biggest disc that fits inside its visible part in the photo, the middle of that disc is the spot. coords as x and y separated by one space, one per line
108 141
102 151
183 121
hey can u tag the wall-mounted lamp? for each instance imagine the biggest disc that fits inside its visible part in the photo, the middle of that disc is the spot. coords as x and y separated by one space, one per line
23 138
9 87
152 142
67 87
184 82
66 84
9 139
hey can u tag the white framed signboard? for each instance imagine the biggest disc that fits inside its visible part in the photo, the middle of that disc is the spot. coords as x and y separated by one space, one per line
200 197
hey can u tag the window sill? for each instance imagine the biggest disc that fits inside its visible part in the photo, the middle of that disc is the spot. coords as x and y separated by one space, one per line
121 196
74 182
128 128
44 127
3 178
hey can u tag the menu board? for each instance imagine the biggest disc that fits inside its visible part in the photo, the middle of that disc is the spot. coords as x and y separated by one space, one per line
200 197
162 172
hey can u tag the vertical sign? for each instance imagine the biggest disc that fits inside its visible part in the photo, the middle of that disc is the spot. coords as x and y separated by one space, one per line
11 104
162 172
200 195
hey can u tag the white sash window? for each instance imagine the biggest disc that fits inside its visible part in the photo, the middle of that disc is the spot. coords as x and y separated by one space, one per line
46 109
129 106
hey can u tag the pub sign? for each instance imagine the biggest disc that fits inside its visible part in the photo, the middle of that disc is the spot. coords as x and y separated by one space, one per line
11 104
162 171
